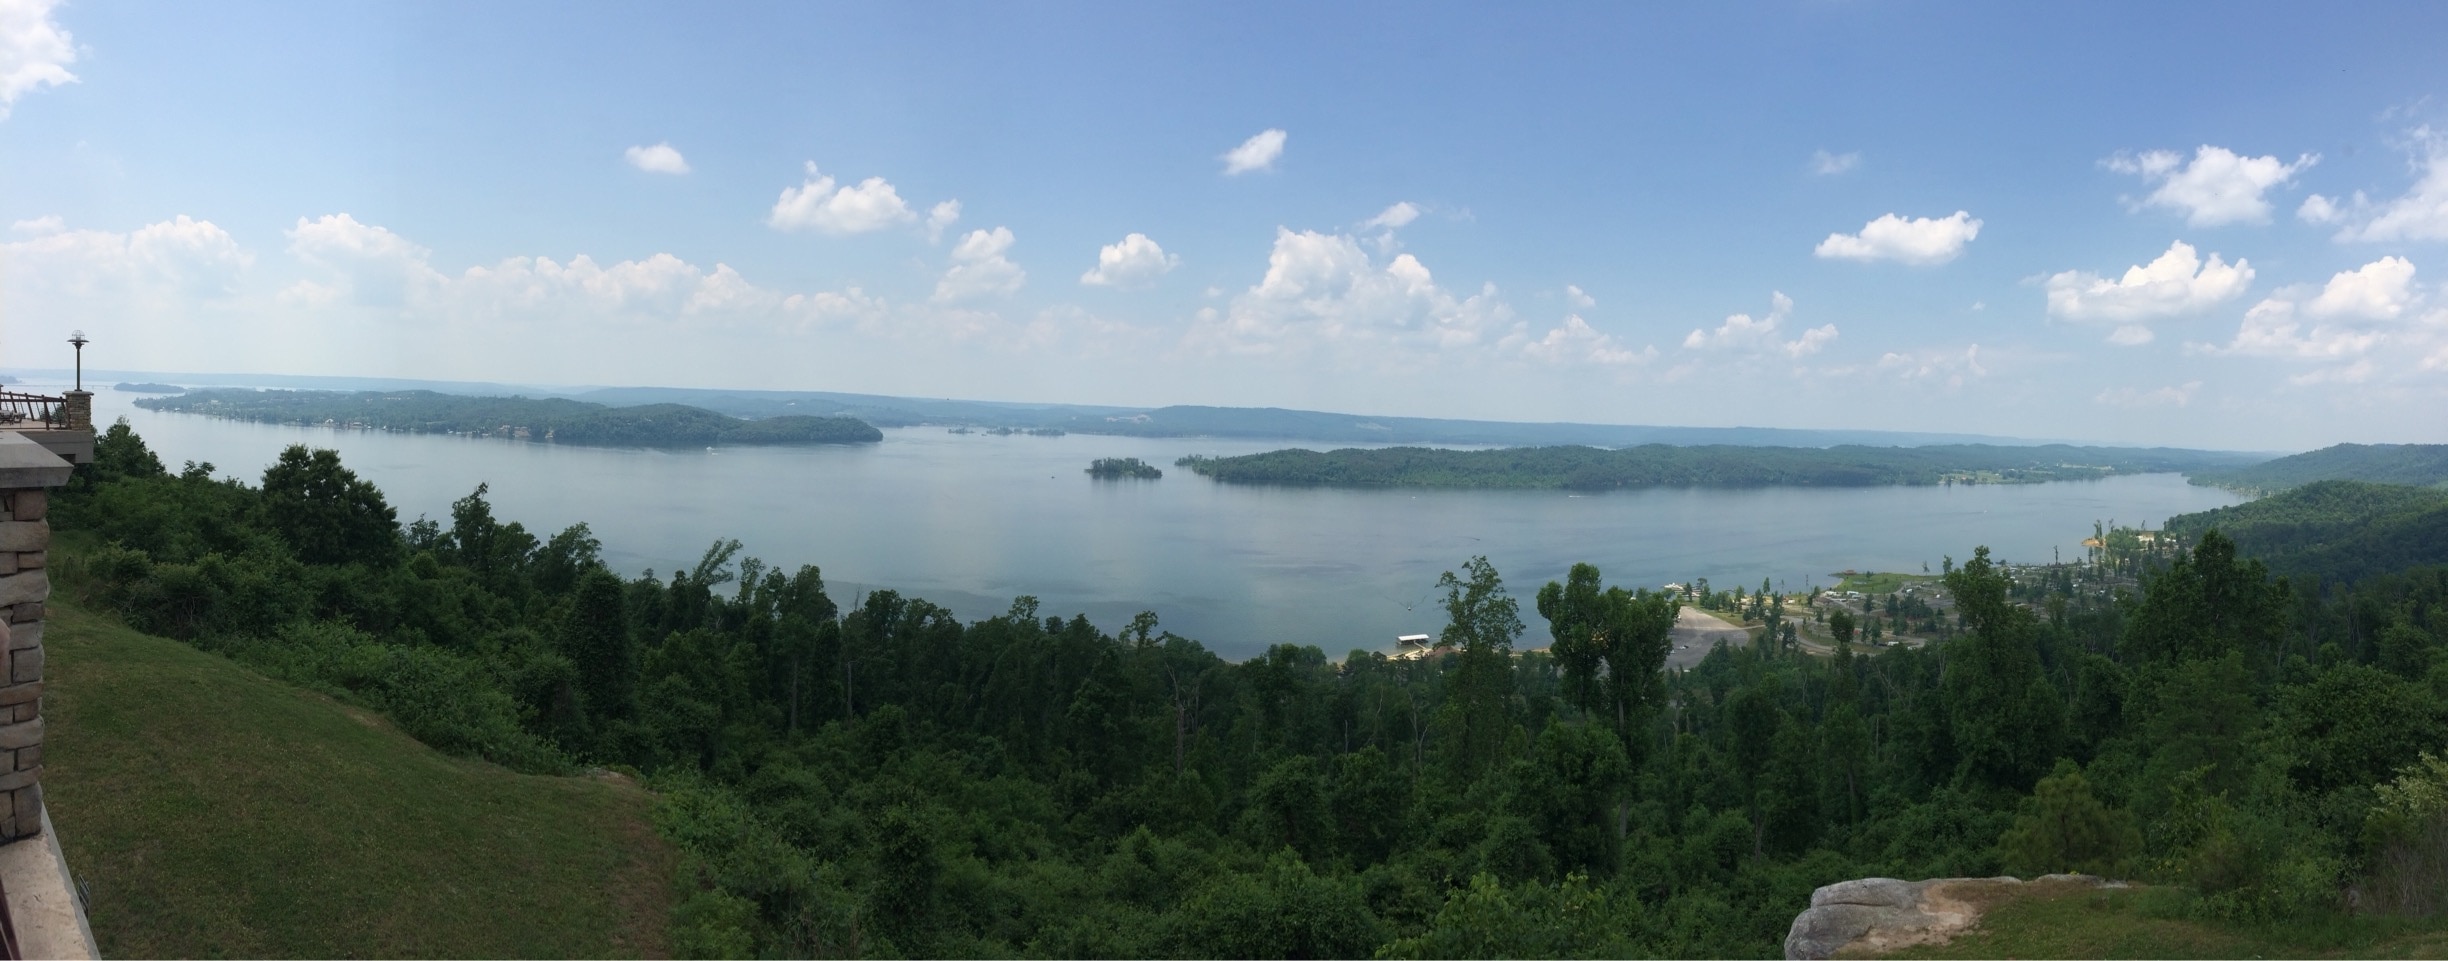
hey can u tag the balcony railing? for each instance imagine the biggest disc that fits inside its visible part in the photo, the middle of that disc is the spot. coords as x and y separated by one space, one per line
20 410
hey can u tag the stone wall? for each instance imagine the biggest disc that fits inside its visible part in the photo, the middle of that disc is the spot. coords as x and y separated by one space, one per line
27 472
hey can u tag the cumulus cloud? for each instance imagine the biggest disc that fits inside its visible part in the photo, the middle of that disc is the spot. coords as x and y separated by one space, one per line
2357 313
658 159
372 265
1576 342
2178 282
1579 298
178 258
1744 333
941 218
2217 187
2131 335
34 51
1325 291
1257 153
1827 164
980 269
2422 214
1918 241
1397 216
1135 261
818 204
1938 364
2380 290
2157 397
46 224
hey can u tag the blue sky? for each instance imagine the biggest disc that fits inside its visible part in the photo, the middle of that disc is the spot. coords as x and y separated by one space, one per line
2167 224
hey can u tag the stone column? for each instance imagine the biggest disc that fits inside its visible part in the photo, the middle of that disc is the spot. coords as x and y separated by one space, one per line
76 413
27 472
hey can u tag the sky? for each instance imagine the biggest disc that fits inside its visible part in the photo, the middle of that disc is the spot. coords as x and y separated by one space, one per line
2170 224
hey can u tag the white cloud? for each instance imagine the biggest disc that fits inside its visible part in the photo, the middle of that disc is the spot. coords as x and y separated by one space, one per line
2131 335
658 159
179 258
2379 290
1945 365
941 218
1743 333
1134 262
1394 217
1324 290
979 267
1576 342
2422 214
2176 283
46 224
1578 297
1827 164
2160 397
870 206
1919 241
2317 209
34 50
2218 187
372 265
2357 313
1257 153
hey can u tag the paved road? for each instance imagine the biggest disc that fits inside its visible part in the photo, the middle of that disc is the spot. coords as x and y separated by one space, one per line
1696 631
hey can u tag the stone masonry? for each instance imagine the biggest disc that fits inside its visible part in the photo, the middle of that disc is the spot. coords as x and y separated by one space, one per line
28 471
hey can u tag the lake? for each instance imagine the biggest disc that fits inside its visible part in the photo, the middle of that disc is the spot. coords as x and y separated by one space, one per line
971 521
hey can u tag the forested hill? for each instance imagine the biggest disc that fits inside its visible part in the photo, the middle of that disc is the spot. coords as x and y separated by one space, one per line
555 419
2337 530
2420 465
1660 465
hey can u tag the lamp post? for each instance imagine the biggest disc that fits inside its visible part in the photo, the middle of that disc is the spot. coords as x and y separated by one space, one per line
77 337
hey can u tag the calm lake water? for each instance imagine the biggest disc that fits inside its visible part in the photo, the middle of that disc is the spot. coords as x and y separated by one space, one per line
970 521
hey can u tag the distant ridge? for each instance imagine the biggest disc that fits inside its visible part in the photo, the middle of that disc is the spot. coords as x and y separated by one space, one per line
2417 465
1241 423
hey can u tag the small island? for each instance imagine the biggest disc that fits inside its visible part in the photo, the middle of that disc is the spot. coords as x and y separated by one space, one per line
150 388
1118 468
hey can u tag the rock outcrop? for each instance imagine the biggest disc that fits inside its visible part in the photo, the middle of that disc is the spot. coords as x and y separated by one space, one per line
1877 915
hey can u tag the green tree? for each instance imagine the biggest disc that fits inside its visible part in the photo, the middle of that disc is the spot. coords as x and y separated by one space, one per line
1568 789
2006 717
1483 622
595 637
325 513
2063 828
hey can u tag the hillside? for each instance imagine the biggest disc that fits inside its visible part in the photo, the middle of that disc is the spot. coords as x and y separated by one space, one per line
2418 465
558 419
213 812
2333 529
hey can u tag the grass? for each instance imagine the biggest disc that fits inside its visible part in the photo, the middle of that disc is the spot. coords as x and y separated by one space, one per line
2080 922
213 812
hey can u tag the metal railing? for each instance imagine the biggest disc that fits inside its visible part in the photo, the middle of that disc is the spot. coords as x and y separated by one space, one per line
18 410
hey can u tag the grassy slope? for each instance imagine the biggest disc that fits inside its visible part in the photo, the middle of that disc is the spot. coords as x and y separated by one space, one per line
215 812
2075 922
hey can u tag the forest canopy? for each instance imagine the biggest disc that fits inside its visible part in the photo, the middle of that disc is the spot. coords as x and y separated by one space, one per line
1662 465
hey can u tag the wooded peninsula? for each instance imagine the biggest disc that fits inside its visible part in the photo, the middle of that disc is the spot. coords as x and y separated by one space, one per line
1716 465
559 420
